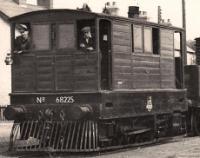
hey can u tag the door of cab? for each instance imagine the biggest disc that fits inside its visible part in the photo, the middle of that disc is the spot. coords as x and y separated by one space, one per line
105 49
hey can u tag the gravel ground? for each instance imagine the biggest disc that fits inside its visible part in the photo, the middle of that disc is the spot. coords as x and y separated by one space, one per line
5 128
179 148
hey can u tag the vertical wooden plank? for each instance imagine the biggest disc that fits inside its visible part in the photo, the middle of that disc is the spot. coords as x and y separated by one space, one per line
73 134
86 135
93 135
83 134
65 134
69 134
90 134
45 73
51 133
78 133
96 134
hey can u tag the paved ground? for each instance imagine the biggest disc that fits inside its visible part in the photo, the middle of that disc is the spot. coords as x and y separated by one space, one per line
5 128
184 148
180 148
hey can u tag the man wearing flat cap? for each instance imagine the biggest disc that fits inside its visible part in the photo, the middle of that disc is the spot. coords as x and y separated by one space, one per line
22 42
86 42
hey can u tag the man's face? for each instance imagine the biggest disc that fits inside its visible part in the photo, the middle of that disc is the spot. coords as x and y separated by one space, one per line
87 34
24 33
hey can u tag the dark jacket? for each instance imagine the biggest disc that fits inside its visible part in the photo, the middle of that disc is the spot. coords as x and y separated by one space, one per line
86 44
21 43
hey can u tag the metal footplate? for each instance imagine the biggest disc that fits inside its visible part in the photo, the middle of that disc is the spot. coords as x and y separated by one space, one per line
56 136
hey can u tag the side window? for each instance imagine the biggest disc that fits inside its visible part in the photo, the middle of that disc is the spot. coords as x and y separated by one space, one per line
147 40
156 40
66 36
137 38
41 36
22 38
86 35
149 37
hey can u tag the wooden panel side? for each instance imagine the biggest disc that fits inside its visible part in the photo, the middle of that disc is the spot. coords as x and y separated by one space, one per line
167 73
146 72
167 43
85 73
23 73
63 72
122 72
45 73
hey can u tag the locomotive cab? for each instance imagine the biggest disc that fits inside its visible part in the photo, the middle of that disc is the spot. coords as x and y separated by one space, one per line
123 85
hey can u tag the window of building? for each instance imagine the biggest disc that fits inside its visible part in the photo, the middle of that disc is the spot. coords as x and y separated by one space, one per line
41 36
137 39
66 36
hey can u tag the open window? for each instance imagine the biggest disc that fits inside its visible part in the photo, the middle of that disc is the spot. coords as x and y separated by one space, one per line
22 37
178 59
156 39
86 35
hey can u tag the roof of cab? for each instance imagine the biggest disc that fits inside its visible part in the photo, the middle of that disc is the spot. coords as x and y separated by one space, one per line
91 14
15 18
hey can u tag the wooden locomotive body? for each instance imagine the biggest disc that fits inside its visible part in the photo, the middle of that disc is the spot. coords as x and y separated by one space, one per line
128 90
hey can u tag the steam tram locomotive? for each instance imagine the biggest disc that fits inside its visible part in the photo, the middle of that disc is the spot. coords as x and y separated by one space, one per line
129 90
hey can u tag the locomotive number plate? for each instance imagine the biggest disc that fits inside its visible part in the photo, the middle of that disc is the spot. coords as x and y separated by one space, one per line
55 99
65 99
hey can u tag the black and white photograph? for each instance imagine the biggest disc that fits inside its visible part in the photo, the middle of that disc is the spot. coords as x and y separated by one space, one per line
99 79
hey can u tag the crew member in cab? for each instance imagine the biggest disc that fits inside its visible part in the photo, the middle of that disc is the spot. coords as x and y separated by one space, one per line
22 42
86 41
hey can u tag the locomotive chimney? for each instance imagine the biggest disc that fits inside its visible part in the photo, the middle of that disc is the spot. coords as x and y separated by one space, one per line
198 50
133 11
45 3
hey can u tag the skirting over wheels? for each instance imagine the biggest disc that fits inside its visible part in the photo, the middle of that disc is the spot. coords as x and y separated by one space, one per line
68 136
72 136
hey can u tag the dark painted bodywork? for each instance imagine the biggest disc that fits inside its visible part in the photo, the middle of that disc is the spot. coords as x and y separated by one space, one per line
108 105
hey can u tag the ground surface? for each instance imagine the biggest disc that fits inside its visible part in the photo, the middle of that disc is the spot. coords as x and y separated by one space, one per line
178 148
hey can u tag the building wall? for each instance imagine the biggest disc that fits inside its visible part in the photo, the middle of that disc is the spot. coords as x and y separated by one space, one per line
5 74
191 59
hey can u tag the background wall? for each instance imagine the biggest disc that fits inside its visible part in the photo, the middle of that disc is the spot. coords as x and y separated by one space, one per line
5 81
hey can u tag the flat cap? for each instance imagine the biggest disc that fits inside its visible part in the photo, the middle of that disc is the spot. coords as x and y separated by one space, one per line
22 27
86 29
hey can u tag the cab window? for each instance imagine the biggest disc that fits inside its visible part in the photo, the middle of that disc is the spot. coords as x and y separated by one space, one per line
66 36
41 36
86 35
22 37
137 39
147 40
